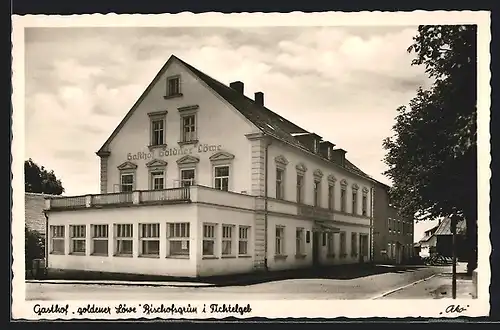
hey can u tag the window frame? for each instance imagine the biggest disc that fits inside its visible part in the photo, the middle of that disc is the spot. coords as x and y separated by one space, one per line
209 238
54 236
149 238
281 240
245 239
119 229
184 113
157 174
193 180
125 173
228 229
300 241
95 228
221 178
168 92
157 116
280 183
184 228
73 238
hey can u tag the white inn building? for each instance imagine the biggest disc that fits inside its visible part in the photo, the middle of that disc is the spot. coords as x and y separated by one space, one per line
200 180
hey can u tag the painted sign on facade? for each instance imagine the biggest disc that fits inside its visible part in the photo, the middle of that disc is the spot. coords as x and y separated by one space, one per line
182 151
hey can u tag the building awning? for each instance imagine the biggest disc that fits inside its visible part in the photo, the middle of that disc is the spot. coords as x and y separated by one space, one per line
324 226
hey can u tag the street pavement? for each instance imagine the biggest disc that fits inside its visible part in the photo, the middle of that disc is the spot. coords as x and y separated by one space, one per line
437 287
363 287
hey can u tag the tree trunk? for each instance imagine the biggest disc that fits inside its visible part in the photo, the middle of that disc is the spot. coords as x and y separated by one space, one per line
471 243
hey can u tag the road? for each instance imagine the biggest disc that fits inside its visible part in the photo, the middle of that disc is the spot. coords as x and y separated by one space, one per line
366 287
437 287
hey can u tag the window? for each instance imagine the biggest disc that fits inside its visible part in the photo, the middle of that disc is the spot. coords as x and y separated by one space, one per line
173 86
157 180
300 185
280 240
150 239
127 182
399 227
365 205
57 239
123 239
157 131
354 202
189 128
227 240
343 198
100 240
243 243
389 224
209 240
315 146
323 239
331 196
221 177
354 244
187 177
317 193
342 245
329 245
280 188
77 234
178 239
299 241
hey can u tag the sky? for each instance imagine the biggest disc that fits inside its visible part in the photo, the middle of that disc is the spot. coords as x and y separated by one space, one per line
343 83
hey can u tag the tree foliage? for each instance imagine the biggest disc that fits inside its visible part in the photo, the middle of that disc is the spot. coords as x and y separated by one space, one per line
432 156
34 244
38 180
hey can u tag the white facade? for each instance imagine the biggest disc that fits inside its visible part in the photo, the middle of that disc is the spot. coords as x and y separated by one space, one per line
147 182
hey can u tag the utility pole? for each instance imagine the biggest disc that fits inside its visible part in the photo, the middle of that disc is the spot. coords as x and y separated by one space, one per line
454 249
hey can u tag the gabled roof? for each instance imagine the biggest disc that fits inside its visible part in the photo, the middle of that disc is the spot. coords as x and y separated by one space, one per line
445 227
269 122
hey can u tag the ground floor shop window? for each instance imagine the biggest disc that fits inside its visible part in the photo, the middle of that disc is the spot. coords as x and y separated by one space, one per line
227 240
57 239
100 240
124 239
243 240
78 236
150 239
178 239
209 240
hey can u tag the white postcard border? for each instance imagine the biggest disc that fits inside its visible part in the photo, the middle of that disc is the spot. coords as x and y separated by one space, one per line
266 308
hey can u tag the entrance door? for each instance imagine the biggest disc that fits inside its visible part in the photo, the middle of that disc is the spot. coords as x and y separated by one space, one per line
363 242
315 247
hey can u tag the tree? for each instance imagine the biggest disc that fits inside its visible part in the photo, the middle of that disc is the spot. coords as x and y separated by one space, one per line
432 157
38 180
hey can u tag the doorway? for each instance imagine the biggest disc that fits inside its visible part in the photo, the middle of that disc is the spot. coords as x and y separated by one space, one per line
315 247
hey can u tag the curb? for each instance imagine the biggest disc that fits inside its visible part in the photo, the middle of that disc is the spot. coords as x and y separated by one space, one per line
122 283
402 287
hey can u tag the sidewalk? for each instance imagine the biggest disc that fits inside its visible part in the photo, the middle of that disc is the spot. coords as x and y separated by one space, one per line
340 272
436 287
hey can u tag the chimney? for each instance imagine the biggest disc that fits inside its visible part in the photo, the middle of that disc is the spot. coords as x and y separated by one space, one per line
259 98
237 86
338 155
